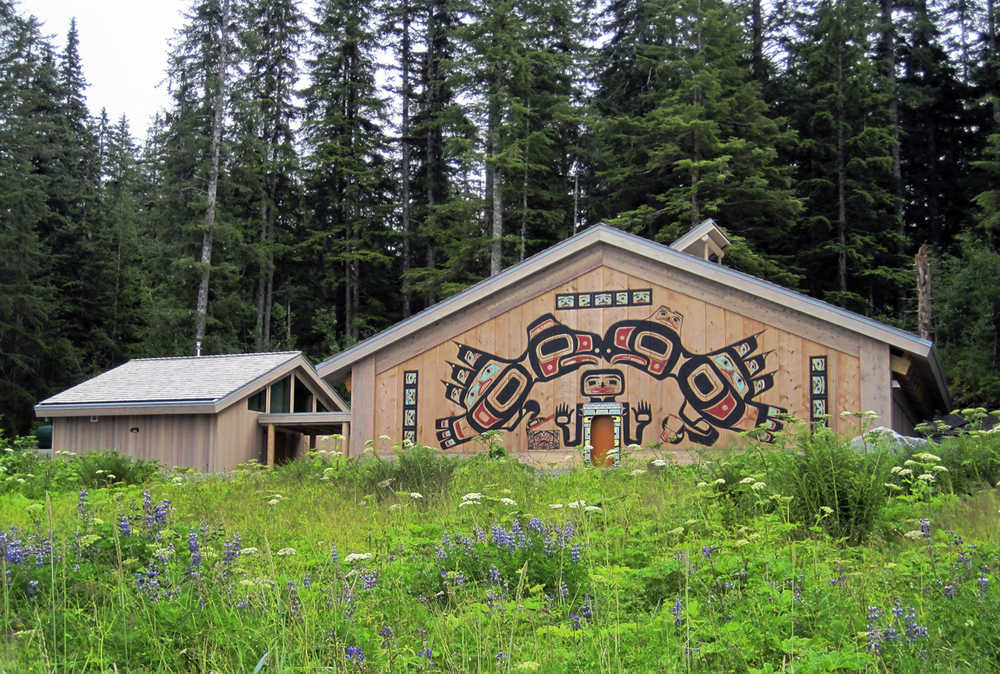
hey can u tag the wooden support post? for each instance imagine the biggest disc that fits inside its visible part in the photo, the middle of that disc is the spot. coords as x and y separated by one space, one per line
312 441
345 444
270 445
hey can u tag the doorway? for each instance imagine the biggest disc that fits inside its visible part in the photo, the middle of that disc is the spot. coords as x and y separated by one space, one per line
602 440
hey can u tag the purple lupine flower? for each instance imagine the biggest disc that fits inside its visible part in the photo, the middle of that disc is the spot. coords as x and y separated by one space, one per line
387 634
125 527
294 603
574 553
914 630
677 609
369 579
307 581
161 511
563 590
949 591
576 621
32 588
81 505
426 653
536 525
243 604
231 550
874 613
520 539
707 550
925 527
501 657
874 639
334 557
890 634
548 546
348 600
440 552
355 655
568 532
984 585
494 576
193 548
585 610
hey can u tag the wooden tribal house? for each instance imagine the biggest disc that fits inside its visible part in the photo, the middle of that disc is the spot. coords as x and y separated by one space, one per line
209 412
609 339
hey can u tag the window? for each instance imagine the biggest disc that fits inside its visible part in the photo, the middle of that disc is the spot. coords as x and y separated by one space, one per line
258 401
280 395
303 397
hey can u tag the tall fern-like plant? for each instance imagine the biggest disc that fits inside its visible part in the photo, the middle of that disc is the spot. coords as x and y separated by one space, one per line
832 483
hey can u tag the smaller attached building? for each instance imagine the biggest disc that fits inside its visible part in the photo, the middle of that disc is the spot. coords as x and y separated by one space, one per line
210 413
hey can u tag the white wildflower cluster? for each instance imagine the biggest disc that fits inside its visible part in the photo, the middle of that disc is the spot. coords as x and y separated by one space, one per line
471 499
275 500
357 557
286 552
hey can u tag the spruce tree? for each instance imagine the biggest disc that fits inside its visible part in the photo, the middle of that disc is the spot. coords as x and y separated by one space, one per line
266 161
348 176
684 133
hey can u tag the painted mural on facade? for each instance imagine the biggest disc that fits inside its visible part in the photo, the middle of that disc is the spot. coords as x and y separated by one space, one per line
719 389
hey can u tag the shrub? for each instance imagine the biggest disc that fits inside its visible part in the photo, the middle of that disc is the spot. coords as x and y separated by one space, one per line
414 468
101 469
834 484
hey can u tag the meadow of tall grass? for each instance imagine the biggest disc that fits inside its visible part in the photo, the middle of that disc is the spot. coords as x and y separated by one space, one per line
806 556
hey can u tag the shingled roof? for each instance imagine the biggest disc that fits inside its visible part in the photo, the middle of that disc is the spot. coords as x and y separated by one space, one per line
194 381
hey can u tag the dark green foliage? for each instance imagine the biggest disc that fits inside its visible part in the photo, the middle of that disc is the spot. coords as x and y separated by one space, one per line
967 321
101 469
782 121
840 487
417 468
819 480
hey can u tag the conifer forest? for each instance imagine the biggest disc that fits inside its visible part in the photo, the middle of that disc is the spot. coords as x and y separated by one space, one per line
327 169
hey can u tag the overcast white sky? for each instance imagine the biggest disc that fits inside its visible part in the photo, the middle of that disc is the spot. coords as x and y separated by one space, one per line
123 46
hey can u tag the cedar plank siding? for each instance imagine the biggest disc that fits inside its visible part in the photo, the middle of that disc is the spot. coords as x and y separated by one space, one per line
173 440
713 317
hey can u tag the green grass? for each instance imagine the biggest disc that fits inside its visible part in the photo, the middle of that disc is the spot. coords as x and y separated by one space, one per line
751 561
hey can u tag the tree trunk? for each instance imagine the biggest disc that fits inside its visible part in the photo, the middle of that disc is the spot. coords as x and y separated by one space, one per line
201 309
260 342
924 325
758 68
991 39
405 162
888 63
496 250
841 179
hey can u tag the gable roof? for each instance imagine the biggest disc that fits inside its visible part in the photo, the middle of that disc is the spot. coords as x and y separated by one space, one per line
185 384
338 366
706 231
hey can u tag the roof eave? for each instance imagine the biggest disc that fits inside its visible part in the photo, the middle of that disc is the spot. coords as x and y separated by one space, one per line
203 406
338 366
